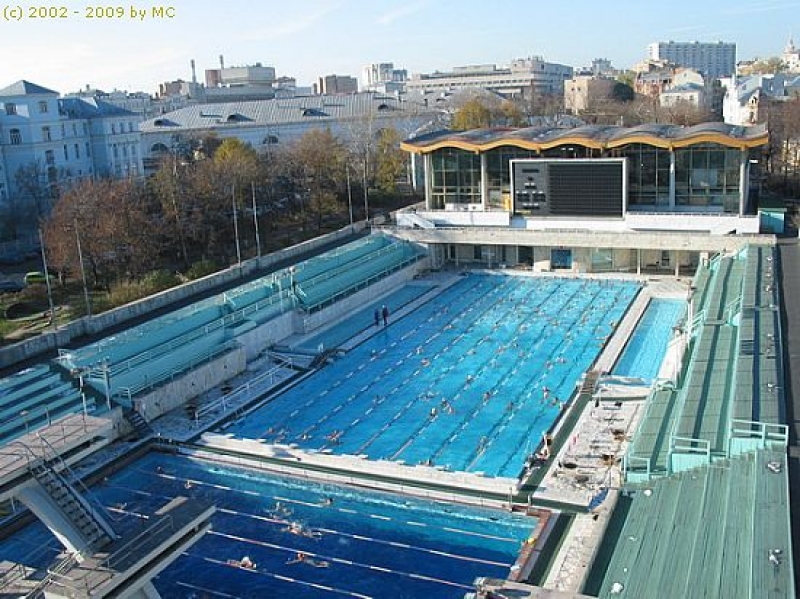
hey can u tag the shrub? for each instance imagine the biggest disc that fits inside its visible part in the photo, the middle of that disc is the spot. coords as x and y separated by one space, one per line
200 269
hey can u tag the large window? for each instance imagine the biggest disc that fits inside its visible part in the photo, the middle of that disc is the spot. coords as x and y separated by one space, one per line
15 136
707 175
498 173
11 108
648 174
456 178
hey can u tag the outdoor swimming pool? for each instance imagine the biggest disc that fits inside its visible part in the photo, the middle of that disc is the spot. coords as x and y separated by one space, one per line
358 543
646 348
469 381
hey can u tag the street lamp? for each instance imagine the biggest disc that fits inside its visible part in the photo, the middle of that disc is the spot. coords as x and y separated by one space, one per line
236 226
349 191
83 271
47 282
255 219
24 414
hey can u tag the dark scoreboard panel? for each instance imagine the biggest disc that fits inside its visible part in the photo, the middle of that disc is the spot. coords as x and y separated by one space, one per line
579 187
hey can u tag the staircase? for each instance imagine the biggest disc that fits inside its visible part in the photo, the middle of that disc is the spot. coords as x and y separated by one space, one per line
139 424
72 506
589 383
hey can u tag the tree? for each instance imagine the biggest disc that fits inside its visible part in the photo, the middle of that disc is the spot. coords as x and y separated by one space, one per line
622 92
118 236
319 159
473 114
767 66
37 187
390 160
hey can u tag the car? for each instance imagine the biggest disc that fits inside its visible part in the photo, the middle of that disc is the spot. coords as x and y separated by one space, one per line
11 286
36 278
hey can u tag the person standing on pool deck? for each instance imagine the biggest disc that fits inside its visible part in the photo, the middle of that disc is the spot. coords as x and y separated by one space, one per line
385 313
377 317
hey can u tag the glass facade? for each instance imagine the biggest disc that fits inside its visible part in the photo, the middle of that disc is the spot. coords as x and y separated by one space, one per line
648 174
498 172
455 178
707 175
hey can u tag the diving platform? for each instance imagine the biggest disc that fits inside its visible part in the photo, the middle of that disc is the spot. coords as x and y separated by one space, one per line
125 567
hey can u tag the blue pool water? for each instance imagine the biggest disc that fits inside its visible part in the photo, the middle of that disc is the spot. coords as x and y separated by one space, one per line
375 544
469 381
646 348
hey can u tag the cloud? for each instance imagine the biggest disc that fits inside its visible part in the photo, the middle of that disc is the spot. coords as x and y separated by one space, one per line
291 25
399 13
761 8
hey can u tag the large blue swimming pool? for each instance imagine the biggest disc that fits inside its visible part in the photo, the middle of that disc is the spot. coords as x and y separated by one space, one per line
360 543
469 381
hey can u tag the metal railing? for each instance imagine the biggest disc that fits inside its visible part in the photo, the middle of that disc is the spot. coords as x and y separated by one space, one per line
153 380
245 393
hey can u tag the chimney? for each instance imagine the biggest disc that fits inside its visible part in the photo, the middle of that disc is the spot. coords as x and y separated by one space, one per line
194 73
221 62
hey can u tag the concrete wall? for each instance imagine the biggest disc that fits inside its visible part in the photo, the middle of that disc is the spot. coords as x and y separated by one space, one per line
92 325
277 329
358 300
180 390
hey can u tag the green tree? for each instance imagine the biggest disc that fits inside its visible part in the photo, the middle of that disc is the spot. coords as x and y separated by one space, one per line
622 92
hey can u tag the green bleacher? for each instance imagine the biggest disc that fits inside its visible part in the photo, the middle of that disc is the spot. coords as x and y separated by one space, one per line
707 467
708 532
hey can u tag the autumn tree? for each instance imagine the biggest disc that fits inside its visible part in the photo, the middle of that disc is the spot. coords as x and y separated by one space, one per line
390 160
472 114
319 159
114 227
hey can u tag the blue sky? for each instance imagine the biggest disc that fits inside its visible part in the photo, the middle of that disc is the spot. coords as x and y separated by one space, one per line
309 38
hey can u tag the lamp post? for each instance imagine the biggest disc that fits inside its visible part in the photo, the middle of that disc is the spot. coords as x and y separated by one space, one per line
255 220
349 191
24 414
236 226
83 271
47 282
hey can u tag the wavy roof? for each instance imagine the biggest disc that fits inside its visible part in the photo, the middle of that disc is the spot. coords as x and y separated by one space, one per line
599 137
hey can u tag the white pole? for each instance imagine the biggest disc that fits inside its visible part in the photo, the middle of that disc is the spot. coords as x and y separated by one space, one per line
83 271
236 226
47 281
349 192
255 220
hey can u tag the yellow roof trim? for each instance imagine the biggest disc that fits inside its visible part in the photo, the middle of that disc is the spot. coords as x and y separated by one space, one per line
645 139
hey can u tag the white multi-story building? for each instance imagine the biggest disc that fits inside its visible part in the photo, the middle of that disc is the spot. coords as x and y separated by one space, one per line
713 60
745 97
382 77
47 141
524 77
791 57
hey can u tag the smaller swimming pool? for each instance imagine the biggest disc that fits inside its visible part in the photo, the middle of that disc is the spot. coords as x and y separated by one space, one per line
647 347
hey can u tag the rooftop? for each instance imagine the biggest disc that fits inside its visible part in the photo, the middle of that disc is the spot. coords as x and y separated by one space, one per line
593 136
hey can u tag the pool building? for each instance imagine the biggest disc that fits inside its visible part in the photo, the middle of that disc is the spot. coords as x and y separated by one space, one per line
562 373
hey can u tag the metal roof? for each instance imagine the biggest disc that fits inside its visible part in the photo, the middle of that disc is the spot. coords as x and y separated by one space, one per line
281 111
25 88
88 108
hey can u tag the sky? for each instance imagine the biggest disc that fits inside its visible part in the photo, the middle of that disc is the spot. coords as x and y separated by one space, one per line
306 39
